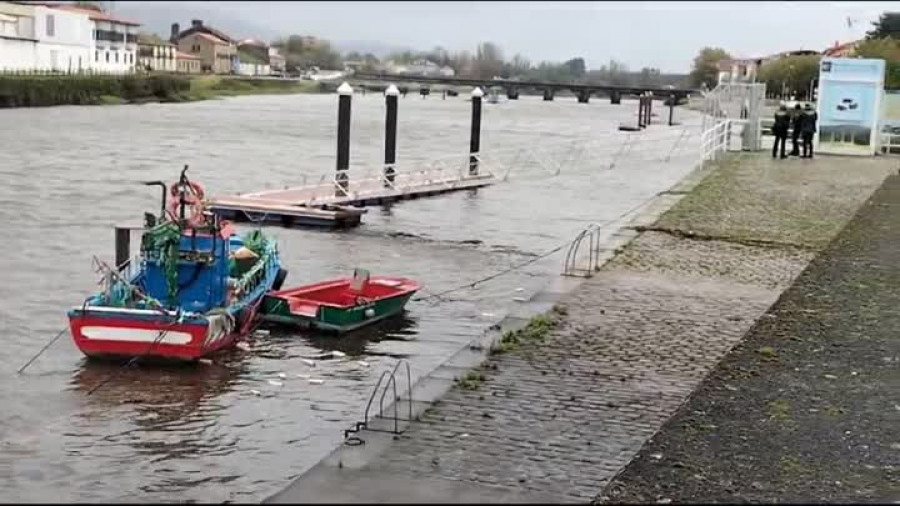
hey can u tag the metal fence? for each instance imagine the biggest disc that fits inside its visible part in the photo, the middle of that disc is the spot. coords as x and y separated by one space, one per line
743 104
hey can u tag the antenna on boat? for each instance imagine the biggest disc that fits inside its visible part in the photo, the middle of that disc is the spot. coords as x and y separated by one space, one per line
162 215
182 183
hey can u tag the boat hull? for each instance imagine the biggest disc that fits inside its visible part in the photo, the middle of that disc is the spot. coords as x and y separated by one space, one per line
110 333
278 307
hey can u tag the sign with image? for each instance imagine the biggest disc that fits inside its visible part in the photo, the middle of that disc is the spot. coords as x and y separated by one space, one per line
850 100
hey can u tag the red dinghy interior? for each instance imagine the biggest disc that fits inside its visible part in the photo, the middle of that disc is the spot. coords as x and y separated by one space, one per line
344 293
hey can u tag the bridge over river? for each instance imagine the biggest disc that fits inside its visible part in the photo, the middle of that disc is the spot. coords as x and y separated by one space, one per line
512 88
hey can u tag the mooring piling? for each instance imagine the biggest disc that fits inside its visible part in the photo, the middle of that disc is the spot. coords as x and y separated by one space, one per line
649 107
390 135
123 246
341 178
642 106
548 95
615 98
672 101
475 138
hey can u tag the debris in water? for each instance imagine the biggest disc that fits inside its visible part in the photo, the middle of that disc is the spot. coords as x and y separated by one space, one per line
241 345
282 375
275 383
311 363
830 376
338 354
316 381
488 315
657 456
520 299
260 333
303 376
363 363
205 361
255 392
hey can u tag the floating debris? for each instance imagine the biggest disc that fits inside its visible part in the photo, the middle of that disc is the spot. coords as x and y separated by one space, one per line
275 383
316 381
830 376
243 346
520 299
261 333
338 354
303 376
311 363
282 375
255 392
488 315
656 456
363 363
205 361
520 289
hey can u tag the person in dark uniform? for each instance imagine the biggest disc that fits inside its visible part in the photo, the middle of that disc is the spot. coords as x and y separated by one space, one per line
808 130
796 126
780 129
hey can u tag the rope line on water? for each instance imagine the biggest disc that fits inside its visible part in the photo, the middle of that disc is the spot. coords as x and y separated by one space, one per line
473 284
45 348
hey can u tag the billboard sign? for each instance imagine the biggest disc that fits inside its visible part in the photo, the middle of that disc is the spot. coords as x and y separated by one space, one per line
850 98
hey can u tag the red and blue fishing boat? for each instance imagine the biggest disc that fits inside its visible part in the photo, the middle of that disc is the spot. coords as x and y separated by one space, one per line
194 289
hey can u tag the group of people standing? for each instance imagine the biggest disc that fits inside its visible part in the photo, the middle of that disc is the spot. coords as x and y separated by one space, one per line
802 124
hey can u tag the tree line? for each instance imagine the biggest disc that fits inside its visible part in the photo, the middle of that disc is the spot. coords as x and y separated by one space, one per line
487 61
793 75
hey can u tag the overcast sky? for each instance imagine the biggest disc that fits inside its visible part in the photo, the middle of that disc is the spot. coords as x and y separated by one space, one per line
666 35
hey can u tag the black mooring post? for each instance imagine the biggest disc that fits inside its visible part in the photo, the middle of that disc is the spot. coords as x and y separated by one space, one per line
475 138
345 95
548 95
390 134
615 98
649 107
671 109
641 102
123 246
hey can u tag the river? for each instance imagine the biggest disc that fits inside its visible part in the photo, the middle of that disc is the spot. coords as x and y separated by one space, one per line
201 433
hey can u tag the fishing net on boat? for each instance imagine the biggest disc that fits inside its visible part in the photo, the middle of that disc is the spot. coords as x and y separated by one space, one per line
256 241
162 243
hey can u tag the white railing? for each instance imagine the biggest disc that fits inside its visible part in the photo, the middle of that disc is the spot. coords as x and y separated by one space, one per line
605 152
890 143
715 139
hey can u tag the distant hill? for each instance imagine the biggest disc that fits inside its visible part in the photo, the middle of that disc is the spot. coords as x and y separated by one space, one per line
158 18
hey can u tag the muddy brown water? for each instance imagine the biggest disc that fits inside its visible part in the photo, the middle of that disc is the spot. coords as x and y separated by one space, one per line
201 433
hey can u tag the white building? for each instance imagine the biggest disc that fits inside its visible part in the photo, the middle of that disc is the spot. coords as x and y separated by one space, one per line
65 38
112 41
18 45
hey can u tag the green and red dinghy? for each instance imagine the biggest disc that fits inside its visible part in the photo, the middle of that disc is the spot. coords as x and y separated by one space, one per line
339 305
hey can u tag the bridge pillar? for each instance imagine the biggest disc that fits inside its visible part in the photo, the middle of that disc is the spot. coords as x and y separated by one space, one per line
390 135
345 95
424 91
512 93
615 98
584 96
548 95
475 137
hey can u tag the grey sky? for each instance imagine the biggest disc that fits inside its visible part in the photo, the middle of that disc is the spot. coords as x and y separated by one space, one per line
666 35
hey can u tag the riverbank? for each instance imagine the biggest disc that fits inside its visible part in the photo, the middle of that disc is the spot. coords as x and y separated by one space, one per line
51 90
554 415
805 408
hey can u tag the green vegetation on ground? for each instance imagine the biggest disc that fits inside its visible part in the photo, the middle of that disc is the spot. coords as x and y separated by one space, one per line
39 90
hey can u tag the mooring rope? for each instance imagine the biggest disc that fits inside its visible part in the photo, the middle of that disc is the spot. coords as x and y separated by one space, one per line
473 284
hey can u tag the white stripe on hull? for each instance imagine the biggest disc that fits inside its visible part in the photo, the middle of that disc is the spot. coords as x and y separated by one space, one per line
135 335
